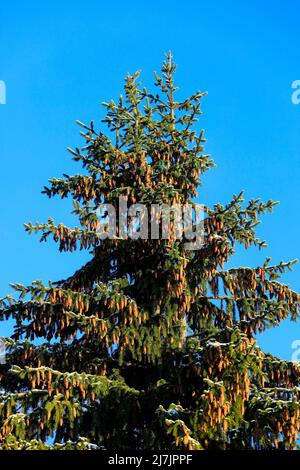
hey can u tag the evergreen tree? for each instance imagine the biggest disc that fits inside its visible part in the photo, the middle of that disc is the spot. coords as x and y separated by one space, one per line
149 345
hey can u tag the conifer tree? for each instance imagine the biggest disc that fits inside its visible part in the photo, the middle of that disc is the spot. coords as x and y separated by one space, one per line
149 345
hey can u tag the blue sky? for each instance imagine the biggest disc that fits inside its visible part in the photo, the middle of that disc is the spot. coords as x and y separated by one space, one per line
60 60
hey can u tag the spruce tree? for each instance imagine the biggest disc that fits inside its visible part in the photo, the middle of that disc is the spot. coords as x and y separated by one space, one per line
149 345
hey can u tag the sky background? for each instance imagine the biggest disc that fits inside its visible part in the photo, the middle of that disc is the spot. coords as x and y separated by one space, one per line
60 60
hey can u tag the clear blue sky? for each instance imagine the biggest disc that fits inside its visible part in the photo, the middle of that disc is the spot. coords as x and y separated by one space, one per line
61 59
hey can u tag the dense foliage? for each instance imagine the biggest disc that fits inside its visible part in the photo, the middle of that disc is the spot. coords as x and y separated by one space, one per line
149 345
